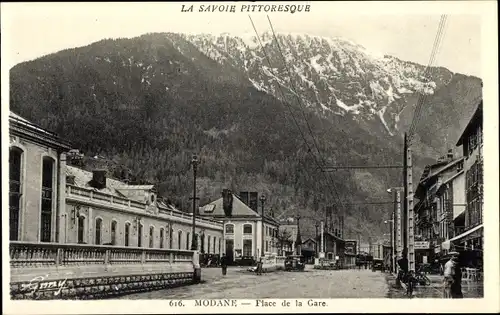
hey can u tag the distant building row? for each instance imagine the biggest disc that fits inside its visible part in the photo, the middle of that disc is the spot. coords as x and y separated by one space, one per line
449 212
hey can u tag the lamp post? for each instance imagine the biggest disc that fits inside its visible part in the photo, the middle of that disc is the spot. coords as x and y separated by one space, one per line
262 201
316 236
194 162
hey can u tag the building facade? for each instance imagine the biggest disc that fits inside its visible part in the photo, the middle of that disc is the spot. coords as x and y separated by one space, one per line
50 201
36 182
469 239
247 234
440 195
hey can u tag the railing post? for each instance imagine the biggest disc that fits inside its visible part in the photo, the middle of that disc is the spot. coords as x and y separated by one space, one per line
111 199
171 258
129 203
143 257
107 256
91 194
59 256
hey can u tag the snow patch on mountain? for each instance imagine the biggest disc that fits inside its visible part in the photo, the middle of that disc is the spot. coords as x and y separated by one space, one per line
328 73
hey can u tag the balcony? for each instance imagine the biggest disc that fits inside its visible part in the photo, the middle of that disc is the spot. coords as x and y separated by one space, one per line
138 208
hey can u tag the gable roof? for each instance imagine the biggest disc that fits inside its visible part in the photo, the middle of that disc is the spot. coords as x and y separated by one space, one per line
21 126
476 119
239 209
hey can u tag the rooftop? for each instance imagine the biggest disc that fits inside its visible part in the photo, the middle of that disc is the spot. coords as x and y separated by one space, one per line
475 121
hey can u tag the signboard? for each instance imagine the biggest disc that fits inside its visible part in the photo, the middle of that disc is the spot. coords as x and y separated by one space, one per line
421 245
351 247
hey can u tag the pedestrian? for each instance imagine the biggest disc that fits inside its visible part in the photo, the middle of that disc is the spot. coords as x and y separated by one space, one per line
223 263
452 280
259 267
456 286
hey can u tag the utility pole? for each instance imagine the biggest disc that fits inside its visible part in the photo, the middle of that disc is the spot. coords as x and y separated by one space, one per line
194 162
298 240
410 222
392 242
322 253
398 225
316 251
262 200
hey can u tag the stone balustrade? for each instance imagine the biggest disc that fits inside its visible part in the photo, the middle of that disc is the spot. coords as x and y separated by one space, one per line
92 264
136 207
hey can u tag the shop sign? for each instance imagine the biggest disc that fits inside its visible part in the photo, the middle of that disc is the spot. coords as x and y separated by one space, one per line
422 245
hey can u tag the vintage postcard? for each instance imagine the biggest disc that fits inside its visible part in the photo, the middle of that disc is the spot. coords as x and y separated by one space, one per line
237 157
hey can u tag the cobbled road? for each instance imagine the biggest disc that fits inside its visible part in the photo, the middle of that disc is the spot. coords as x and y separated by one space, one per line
311 283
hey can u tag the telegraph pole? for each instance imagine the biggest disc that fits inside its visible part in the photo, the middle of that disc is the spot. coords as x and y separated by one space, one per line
398 225
262 200
194 161
410 222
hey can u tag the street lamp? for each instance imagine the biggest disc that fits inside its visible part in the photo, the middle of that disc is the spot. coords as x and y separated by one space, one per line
262 201
194 162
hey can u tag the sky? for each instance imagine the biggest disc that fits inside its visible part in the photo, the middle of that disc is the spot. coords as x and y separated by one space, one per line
408 32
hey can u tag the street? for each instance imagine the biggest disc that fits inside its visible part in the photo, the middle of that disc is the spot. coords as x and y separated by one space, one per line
240 284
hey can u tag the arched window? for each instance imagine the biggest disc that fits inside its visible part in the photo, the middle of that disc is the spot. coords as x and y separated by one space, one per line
220 239
127 234
170 236
179 240
47 197
151 236
214 244
98 224
162 237
187 240
113 232
139 235
81 229
15 189
247 229
229 228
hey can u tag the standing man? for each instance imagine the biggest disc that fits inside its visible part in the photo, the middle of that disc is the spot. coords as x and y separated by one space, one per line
223 263
456 286
452 282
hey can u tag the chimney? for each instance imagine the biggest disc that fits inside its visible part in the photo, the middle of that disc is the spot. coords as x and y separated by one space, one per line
99 179
450 154
227 202
70 179
253 201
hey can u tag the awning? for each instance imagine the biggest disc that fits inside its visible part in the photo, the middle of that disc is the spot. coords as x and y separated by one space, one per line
466 233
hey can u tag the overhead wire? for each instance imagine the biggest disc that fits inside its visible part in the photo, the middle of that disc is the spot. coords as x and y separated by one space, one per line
283 96
299 101
429 69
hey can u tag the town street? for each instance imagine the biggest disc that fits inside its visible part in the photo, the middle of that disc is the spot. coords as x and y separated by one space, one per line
240 284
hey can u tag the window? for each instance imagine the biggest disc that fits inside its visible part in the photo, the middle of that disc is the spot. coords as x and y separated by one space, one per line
151 236
81 229
139 236
98 224
47 192
179 240
220 243
208 245
229 228
170 236
162 237
214 245
247 248
267 246
187 240
113 232
247 229
127 234
15 170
